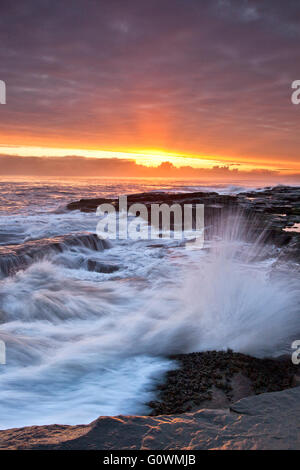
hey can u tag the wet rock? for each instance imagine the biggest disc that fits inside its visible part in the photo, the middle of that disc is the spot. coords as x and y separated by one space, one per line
88 205
268 211
98 267
215 379
16 257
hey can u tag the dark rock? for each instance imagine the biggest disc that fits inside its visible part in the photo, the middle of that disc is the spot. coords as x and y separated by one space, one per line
266 212
96 266
16 257
215 379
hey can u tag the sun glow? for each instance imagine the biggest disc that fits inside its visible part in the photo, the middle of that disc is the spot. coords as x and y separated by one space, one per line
146 157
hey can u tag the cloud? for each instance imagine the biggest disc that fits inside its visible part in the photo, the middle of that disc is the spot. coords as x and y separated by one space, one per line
75 166
183 75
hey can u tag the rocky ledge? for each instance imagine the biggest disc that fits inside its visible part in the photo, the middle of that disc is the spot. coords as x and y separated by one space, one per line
275 211
213 379
14 258
267 421
282 201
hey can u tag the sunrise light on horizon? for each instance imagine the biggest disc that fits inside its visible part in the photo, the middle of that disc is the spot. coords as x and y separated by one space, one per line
146 157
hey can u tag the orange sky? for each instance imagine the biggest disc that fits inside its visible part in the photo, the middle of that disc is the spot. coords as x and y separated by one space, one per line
154 157
207 84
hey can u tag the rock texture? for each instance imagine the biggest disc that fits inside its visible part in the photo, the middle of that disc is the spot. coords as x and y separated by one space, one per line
216 379
16 257
270 210
267 421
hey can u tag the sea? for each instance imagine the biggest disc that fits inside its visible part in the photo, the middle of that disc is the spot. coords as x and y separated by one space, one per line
80 343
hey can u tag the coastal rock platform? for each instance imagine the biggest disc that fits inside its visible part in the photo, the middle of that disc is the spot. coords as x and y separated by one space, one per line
266 421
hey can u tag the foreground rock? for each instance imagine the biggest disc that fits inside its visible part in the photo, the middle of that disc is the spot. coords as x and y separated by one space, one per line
267 421
216 379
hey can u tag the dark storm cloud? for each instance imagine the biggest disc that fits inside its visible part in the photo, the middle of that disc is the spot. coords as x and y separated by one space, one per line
208 75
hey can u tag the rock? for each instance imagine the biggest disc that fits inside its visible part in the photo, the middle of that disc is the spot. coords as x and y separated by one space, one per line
96 266
266 212
267 421
16 257
88 205
215 379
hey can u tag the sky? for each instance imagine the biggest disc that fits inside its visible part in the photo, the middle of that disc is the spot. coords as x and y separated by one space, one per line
194 82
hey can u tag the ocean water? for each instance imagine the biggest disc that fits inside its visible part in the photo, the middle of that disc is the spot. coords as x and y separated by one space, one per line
80 344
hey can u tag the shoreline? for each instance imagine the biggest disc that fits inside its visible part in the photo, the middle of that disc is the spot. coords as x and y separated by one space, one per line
261 422
225 400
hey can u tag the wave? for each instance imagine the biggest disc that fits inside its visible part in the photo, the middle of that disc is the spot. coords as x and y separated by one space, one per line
16 257
79 348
